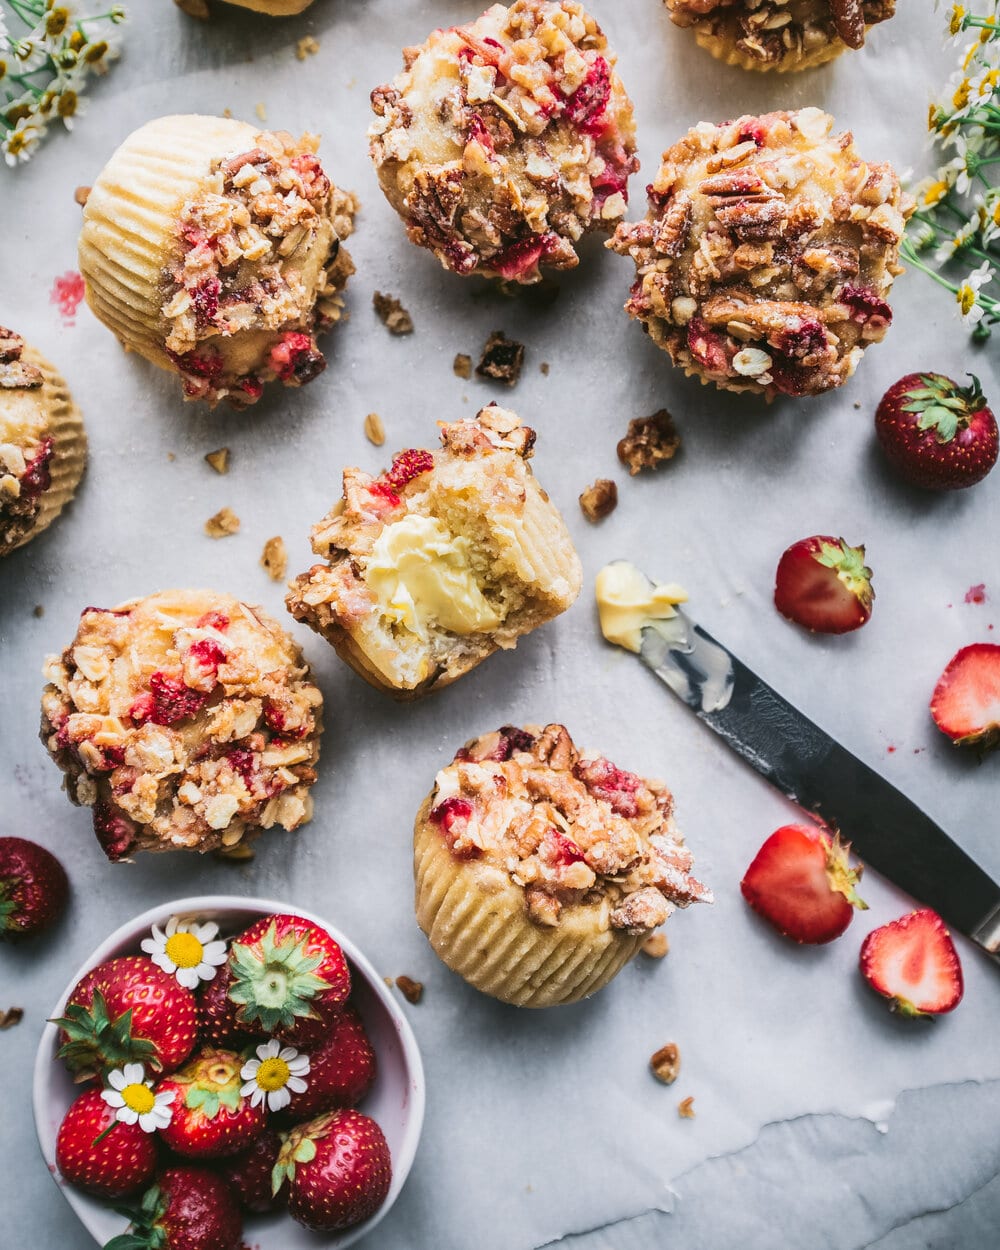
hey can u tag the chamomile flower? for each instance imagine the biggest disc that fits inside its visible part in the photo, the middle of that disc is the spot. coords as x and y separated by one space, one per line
187 950
967 294
22 140
274 1075
133 1100
956 241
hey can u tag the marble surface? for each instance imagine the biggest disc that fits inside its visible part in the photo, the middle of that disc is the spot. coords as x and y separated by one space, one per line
822 1121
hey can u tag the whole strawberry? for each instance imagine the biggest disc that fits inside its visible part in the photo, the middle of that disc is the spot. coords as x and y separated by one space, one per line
211 1118
338 1170
913 962
289 979
966 700
824 585
249 1174
111 1167
802 882
937 434
217 1022
187 1209
127 1010
341 1072
33 888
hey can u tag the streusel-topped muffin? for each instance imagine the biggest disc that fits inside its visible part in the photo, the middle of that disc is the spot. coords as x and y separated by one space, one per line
187 720
440 560
779 35
505 140
43 447
541 869
767 254
213 248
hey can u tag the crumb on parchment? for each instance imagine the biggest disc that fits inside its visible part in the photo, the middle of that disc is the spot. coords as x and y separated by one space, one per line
224 523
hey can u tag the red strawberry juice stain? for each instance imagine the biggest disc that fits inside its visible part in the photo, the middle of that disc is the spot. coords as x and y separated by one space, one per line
976 594
890 749
67 292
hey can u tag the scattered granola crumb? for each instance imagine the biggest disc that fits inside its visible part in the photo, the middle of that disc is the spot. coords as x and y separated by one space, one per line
411 990
389 981
170 456
306 46
857 404
666 1064
227 112
462 366
10 1017
219 460
502 359
655 946
544 366
685 1108
599 500
81 195
38 610
194 8
393 315
224 522
275 558
260 110
374 429
238 854
650 442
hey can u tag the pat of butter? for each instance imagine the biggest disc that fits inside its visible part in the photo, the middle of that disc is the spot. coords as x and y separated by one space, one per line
422 576
627 601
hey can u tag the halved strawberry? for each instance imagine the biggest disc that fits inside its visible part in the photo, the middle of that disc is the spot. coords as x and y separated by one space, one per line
913 961
966 701
802 882
824 585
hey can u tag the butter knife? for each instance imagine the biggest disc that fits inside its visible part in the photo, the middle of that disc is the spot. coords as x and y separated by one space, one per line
887 830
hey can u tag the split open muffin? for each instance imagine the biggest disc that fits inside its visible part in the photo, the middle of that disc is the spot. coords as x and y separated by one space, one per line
440 560
541 869
213 248
187 720
765 260
43 447
505 140
780 35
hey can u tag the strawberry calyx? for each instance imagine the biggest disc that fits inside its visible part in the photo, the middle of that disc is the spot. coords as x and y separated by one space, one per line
849 564
95 1043
275 986
147 1231
942 405
842 877
299 1147
213 1083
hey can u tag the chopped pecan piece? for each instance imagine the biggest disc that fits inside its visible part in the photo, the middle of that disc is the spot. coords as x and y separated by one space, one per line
665 1063
19 375
224 522
685 1108
599 500
650 442
462 366
219 460
10 1017
849 19
411 990
392 314
274 558
502 359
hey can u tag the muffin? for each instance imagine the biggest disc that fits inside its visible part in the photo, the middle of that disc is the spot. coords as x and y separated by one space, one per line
541 869
504 141
779 34
43 447
440 560
187 720
274 8
766 257
213 249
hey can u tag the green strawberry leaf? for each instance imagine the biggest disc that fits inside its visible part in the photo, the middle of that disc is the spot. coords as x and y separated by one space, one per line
305 1151
204 1100
128 1241
229 1096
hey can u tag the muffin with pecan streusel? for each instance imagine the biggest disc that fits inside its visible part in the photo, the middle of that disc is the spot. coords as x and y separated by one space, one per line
541 869
440 560
766 257
781 35
504 141
43 446
213 248
187 720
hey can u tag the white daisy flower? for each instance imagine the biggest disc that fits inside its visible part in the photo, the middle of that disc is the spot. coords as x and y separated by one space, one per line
133 1100
967 294
274 1075
187 950
22 140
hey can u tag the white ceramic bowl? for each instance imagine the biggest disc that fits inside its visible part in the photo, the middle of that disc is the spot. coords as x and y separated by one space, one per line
396 1100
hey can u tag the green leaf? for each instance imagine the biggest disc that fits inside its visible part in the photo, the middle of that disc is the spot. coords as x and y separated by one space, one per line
128 1241
204 1100
305 1151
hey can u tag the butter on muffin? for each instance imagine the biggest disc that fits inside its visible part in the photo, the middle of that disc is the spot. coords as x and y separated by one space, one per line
780 35
187 720
504 141
440 560
767 254
541 869
43 446
213 248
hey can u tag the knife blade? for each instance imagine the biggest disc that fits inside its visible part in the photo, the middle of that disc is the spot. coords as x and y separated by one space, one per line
888 830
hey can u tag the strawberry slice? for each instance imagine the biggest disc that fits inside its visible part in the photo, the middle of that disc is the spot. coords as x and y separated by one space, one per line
913 961
802 882
966 701
824 585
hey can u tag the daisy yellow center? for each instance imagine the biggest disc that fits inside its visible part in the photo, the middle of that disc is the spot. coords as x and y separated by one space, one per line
184 950
273 1074
139 1098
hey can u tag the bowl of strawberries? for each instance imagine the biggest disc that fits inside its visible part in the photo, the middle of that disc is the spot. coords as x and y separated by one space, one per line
224 1068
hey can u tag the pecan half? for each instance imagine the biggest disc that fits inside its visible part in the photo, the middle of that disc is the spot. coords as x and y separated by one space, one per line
849 19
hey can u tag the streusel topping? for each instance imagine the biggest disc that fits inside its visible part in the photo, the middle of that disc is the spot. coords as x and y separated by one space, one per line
567 826
25 447
767 255
186 720
504 140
